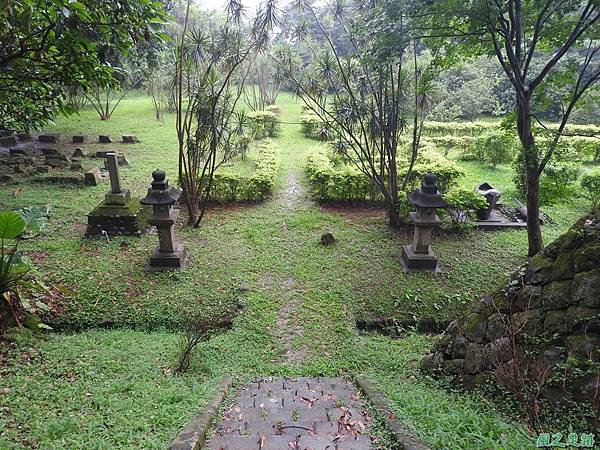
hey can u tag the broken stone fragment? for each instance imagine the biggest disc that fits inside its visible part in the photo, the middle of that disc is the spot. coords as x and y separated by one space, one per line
130 139
78 139
103 139
48 138
92 177
327 239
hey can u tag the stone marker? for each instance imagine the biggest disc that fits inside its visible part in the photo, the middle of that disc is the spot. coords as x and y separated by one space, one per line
8 141
92 177
76 165
119 213
170 254
327 239
130 139
48 138
78 153
104 139
78 139
419 256
492 196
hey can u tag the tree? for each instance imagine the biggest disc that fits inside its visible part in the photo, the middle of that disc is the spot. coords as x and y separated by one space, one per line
49 48
373 95
208 87
516 31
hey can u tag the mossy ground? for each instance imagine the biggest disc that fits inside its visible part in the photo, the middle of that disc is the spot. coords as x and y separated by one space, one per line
104 380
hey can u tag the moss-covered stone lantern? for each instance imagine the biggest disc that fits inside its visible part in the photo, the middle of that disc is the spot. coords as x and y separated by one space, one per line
419 256
170 254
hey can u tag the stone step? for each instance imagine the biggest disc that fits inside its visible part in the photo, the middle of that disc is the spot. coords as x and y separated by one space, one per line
300 442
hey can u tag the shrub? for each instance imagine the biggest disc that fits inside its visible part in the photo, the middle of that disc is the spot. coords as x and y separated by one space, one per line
311 124
332 180
590 182
448 172
557 183
274 109
234 188
463 203
263 124
495 147
340 182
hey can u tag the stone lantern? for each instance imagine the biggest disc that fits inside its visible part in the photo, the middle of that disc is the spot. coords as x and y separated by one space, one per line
419 256
169 254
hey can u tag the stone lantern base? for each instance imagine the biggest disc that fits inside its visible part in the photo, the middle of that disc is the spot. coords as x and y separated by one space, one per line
161 261
415 262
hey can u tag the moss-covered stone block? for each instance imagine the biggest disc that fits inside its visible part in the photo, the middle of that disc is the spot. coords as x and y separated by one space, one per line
557 295
587 257
475 327
586 289
563 267
539 270
128 219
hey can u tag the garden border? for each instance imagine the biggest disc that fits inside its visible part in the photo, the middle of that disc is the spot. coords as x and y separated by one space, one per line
401 433
193 437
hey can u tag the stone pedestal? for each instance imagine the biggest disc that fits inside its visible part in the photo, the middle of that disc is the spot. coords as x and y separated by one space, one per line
170 254
119 213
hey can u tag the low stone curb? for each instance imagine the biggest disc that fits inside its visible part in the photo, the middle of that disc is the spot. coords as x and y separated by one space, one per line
194 435
399 431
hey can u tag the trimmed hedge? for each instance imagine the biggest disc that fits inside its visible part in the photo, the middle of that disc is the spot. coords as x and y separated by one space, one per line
477 128
263 124
332 180
234 188
313 127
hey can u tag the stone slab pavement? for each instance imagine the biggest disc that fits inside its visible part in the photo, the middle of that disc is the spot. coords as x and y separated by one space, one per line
320 413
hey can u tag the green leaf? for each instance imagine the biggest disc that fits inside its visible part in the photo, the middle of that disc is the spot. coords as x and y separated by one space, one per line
11 225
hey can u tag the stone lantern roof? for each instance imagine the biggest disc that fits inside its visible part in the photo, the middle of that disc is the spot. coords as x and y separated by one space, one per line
161 193
428 195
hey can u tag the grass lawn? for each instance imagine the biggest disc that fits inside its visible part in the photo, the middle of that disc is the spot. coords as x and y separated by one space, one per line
102 380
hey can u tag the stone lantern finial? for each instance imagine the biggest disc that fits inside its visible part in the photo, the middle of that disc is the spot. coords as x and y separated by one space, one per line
419 256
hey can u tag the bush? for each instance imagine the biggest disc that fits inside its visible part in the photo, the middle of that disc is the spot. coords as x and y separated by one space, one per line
495 147
338 182
590 182
557 183
263 124
274 109
463 203
332 180
448 172
234 188
312 125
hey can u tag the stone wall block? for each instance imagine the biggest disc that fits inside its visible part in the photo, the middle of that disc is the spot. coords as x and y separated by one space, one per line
475 327
557 295
587 257
475 360
529 322
539 270
586 289
563 267
454 366
498 351
497 326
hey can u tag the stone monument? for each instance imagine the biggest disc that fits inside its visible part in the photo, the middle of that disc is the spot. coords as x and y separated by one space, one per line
119 213
419 257
170 254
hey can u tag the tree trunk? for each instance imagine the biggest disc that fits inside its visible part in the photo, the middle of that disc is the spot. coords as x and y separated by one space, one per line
530 153
393 216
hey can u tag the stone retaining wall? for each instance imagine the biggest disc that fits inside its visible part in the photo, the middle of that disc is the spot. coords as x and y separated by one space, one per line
554 300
